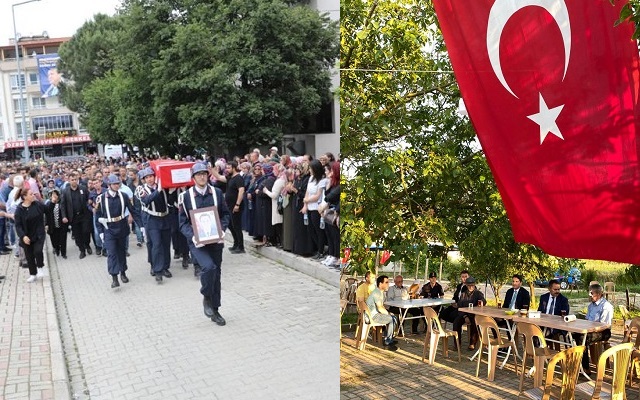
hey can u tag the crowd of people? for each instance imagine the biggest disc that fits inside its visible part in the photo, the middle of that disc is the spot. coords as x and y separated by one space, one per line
376 291
288 202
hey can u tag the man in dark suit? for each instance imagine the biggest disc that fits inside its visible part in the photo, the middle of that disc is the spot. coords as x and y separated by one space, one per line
517 297
450 313
74 211
554 302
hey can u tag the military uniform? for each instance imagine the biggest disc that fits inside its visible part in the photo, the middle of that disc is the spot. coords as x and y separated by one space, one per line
209 256
155 208
114 231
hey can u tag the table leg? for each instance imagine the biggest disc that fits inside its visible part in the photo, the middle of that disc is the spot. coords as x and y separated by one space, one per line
584 343
511 328
403 315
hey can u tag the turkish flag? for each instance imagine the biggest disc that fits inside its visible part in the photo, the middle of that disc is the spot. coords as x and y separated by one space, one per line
551 87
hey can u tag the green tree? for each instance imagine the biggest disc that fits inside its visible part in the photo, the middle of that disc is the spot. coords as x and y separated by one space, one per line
213 74
414 170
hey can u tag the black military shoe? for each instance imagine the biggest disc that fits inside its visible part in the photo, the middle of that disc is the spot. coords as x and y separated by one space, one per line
98 251
176 256
166 273
151 272
115 282
208 308
185 262
82 255
89 250
159 278
196 270
217 318
124 278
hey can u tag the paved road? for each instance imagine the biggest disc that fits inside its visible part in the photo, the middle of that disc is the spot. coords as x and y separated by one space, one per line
150 341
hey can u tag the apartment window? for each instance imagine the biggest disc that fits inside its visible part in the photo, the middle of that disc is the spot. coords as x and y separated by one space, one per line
18 105
53 122
14 81
33 78
19 130
38 103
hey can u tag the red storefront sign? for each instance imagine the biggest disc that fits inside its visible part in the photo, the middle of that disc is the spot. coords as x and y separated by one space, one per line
18 144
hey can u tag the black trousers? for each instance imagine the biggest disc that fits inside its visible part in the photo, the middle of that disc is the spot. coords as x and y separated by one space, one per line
318 237
59 239
236 230
459 321
333 237
81 228
592 337
33 254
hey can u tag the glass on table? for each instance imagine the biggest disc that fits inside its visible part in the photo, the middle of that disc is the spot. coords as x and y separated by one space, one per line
563 313
480 304
470 305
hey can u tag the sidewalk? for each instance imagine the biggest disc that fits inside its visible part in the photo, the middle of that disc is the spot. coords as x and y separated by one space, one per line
32 364
70 336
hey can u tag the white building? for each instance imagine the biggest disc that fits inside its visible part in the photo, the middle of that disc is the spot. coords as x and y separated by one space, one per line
52 130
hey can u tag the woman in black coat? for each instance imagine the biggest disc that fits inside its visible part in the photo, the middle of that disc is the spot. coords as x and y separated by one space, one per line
29 217
302 244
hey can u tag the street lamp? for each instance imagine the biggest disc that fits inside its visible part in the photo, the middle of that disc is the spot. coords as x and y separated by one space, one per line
15 42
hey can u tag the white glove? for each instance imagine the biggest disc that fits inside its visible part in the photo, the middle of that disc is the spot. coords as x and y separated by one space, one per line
101 237
193 239
103 221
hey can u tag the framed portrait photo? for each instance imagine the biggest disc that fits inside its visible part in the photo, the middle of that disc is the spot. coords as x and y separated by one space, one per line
206 225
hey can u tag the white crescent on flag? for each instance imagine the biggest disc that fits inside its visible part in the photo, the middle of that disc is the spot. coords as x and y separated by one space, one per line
501 12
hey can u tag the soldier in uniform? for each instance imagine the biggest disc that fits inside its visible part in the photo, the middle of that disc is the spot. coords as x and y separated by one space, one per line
180 246
208 256
155 203
113 227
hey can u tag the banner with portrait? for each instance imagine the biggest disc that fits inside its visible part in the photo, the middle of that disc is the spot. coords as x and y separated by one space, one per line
48 74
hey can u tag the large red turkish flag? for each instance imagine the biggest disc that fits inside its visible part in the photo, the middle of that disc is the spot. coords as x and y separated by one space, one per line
551 87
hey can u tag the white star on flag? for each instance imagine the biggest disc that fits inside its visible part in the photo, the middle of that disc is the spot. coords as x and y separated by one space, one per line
546 119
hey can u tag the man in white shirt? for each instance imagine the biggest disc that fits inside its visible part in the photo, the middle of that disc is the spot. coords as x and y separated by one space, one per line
598 310
400 292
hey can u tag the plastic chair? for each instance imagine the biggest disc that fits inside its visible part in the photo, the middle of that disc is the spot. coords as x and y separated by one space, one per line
343 306
632 336
539 351
413 291
434 333
570 361
610 290
488 327
616 389
626 317
365 323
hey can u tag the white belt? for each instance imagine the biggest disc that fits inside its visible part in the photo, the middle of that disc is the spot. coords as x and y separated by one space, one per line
156 213
116 219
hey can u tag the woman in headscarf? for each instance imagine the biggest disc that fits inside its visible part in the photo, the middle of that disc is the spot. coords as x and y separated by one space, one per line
256 179
264 228
302 244
274 193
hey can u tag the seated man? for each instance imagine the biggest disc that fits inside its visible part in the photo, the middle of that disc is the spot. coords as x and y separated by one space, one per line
364 290
517 297
470 296
598 310
380 315
554 303
450 313
400 292
432 290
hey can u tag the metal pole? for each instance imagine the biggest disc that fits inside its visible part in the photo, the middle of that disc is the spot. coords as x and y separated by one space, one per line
22 102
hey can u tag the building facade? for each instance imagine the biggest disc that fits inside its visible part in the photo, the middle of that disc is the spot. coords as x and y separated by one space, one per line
52 129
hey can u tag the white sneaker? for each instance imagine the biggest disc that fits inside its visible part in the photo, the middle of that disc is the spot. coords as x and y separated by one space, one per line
329 260
31 279
41 273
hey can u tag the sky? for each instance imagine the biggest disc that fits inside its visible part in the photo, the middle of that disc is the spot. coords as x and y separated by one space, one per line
59 18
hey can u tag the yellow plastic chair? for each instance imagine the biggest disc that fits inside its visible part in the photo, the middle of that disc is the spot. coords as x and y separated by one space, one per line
539 352
631 336
365 323
616 389
343 306
570 361
626 317
610 291
487 327
434 333
414 291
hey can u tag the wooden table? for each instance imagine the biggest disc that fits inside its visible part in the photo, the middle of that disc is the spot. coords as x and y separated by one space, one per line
405 305
545 322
